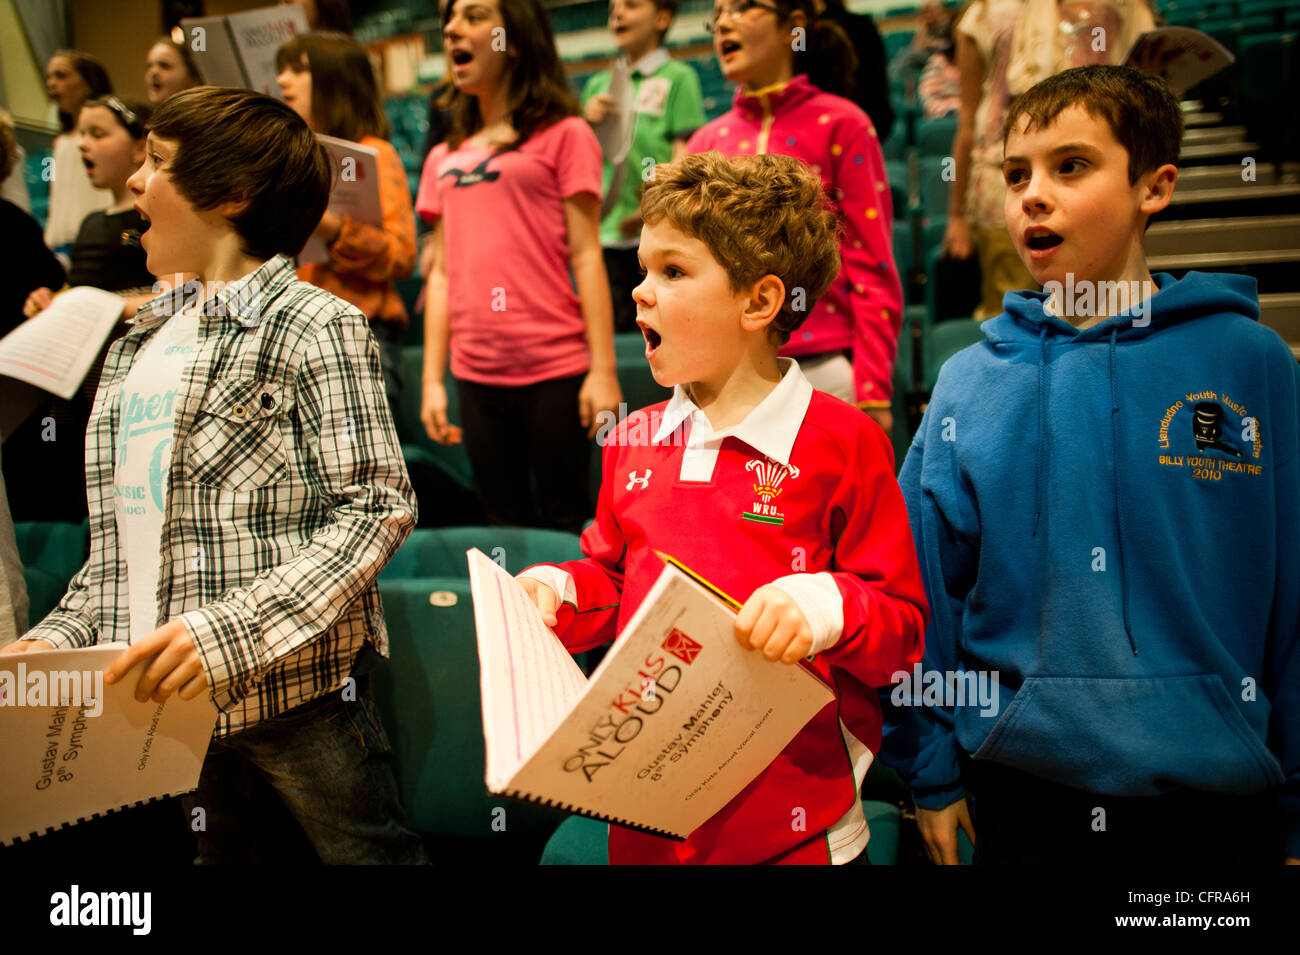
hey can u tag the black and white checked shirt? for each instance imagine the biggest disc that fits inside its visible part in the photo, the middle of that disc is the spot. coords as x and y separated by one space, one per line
287 495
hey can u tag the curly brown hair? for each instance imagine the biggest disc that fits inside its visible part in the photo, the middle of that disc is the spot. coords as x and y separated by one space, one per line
759 215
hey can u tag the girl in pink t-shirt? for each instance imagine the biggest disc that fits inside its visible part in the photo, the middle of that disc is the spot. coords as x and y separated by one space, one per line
788 66
514 199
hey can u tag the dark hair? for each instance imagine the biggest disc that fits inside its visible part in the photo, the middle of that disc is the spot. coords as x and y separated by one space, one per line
183 51
672 6
344 93
333 15
827 58
235 144
1142 112
758 215
538 92
94 75
131 114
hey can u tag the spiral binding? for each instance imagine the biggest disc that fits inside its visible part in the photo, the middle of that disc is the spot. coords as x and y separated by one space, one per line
68 824
590 814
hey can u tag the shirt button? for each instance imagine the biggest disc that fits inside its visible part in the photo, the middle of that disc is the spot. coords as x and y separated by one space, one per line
239 411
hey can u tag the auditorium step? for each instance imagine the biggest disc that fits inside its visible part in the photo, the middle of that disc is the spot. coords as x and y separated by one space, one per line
1257 238
1282 314
1232 190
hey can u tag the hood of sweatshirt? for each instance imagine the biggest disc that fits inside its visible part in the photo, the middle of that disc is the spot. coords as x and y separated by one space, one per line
1026 319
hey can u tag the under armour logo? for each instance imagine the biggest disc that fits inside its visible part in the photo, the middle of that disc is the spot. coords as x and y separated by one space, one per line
634 481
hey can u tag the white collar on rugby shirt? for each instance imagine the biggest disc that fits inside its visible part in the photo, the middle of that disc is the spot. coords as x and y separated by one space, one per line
649 63
770 429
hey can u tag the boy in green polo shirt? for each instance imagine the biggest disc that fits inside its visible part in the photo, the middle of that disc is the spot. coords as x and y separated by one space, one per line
665 107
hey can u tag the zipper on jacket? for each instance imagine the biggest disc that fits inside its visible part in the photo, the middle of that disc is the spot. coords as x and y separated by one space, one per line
765 129
760 148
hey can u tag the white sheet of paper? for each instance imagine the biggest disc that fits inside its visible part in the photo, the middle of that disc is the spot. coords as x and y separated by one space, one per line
677 719
239 49
1197 55
614 132
66 763
55 349
258 34
529 682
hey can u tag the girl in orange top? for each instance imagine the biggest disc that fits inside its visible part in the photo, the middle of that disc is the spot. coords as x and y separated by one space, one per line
327 79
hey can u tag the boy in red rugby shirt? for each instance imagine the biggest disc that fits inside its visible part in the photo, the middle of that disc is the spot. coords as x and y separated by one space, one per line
746 475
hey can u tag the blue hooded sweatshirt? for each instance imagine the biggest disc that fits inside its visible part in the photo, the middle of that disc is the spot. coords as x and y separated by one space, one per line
1108 521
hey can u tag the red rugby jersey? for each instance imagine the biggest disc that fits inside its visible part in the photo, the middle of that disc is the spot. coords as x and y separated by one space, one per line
820 495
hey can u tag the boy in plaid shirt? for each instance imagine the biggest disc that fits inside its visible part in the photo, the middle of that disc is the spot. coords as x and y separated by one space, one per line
246 487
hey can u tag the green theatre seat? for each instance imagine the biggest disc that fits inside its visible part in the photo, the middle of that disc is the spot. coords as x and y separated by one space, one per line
965 851
934 136
52 553
945 339
578 841
883 820
440 552
428 697
934 181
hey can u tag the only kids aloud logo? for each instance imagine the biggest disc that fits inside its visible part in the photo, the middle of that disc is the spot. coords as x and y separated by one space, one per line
81 689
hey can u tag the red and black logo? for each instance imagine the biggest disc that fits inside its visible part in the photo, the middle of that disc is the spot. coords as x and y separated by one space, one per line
681 646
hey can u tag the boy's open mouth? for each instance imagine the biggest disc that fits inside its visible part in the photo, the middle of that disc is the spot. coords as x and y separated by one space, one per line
652 338
728 47
1040 239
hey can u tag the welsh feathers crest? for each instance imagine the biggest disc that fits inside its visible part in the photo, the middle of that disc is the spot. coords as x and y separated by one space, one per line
769 474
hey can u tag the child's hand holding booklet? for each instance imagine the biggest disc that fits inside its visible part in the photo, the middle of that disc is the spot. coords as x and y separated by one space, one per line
677 719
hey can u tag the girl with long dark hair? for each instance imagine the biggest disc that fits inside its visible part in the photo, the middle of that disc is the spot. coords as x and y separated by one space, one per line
514 198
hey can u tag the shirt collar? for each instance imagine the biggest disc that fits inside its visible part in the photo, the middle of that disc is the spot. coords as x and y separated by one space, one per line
769 429
776 98
649 63
243 300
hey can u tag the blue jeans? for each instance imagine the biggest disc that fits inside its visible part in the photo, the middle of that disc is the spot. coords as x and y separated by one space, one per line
313 784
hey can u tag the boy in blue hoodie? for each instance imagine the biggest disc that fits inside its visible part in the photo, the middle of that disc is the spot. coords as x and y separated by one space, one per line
1105 497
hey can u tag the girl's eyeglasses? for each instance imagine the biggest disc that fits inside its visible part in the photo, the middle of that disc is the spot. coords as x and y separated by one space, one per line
735 10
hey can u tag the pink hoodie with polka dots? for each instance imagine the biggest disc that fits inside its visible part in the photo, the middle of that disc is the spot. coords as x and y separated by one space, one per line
862 311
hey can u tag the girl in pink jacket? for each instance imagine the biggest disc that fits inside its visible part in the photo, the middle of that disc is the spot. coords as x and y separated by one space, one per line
789 67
